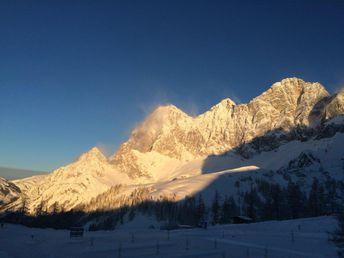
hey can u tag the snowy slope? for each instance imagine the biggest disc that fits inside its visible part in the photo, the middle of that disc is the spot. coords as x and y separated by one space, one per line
224 171
299 161
74 184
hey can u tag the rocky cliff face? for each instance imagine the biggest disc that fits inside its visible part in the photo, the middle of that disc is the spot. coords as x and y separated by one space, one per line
335 106
171 132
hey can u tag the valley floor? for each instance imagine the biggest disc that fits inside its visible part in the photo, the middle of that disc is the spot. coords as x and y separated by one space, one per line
293 238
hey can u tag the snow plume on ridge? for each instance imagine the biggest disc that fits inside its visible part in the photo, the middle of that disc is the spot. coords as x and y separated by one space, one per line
228 93
106 149
192 109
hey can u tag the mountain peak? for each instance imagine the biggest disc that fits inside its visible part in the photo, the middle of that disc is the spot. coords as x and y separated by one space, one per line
294 83
162 115
225 103
167 109
291 83
292 80
92 154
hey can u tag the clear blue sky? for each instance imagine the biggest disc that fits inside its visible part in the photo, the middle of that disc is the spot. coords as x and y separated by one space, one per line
75 74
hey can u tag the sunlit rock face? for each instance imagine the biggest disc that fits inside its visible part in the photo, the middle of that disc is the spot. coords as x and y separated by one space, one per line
171 132
335 105
9 192
71 185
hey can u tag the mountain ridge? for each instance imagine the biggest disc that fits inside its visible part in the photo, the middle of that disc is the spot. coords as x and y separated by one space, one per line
171 145
224 126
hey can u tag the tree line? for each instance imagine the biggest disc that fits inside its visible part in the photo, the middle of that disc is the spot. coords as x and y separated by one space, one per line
261 201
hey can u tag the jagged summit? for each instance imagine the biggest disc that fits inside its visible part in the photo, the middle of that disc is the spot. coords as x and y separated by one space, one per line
170 111
167 109
294 81
226 103
291 85
93 153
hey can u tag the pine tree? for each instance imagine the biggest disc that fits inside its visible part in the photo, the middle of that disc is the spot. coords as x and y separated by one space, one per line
131 215
39 211
200 209
252 204
56 208
331 203
188 212
228 210
313 200
215 208
322 201
277 201
295 200
24 207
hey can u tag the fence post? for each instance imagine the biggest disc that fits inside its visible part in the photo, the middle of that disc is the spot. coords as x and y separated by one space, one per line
120 250
157 247
132 238
187 244
266 252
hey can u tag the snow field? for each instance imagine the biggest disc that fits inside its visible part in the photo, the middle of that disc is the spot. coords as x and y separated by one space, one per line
289 239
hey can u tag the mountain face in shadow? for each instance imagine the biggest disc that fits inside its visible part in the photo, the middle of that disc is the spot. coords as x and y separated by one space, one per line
173 154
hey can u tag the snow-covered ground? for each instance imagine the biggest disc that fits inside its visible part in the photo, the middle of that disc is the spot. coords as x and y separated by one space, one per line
293 238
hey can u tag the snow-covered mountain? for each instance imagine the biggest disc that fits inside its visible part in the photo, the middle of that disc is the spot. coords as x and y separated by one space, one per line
170 132
76 183
293 125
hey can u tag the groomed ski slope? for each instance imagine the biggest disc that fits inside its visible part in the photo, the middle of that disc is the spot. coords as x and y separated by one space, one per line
293 238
